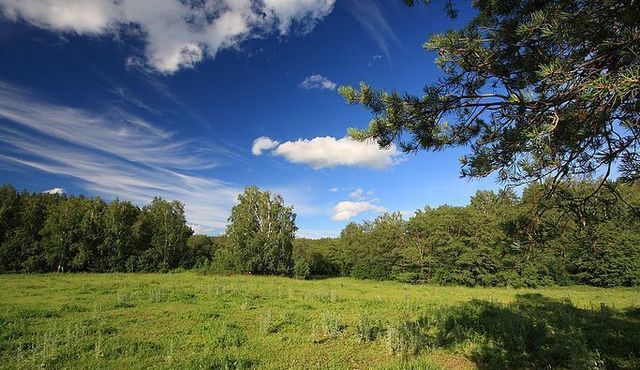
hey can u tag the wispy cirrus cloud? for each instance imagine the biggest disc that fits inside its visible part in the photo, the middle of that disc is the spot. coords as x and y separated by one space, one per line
177 34
113 154
369 15
327 152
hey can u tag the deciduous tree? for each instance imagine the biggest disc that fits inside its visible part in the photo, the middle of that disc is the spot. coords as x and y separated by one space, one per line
261 231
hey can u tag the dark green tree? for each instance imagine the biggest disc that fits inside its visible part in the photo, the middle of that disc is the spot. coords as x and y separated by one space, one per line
118 244
92 235
62 236
168 233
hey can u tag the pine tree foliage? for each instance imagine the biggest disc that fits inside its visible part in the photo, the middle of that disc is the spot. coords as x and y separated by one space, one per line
535 89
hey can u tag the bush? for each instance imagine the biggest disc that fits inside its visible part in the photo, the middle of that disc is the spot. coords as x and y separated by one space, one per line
301 269
366 330
224 262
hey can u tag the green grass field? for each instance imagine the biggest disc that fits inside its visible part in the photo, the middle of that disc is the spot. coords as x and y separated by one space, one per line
186 320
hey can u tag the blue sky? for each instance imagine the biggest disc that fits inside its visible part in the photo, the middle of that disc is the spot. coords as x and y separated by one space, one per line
195 100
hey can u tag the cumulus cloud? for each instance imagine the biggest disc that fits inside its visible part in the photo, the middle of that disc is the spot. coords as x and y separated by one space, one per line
346 210
177 34
59 191
317 82
327 152
261 144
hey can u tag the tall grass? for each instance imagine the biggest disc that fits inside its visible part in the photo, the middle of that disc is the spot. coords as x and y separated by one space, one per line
187 320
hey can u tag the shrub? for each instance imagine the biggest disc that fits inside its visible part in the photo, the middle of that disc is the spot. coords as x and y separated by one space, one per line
366 330
330 327
405 338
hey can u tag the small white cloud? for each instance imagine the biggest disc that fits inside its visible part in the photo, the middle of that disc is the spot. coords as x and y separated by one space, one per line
200 229
318 82
357 194
347 209
59 191
407 214
261 144
327 152
334 190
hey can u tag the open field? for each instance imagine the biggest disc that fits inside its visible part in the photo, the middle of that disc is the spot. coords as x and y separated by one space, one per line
186 320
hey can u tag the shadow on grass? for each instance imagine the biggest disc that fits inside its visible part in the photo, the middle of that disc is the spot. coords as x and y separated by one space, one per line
536 332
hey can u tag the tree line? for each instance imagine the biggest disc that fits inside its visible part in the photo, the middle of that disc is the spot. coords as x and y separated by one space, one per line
582 233
51 232
499 239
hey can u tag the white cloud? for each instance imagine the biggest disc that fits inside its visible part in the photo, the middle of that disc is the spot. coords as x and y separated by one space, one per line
199 229
327 152
112 154
305 12
54 191
261 144
317 82
334 190
177 34
407 214
357 194
346 210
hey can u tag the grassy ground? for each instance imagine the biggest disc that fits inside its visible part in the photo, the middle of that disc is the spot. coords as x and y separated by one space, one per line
188 320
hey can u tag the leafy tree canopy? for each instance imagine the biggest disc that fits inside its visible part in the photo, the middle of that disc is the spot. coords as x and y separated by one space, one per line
261 231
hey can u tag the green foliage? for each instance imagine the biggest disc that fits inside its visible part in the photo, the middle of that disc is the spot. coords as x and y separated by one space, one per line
225 261
301 269
535 89
261 231
167 231
315 257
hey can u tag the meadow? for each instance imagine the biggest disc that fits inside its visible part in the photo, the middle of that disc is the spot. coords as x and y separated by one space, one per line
190 320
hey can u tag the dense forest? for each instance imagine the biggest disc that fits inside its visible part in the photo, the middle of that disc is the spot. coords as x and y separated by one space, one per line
570 236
